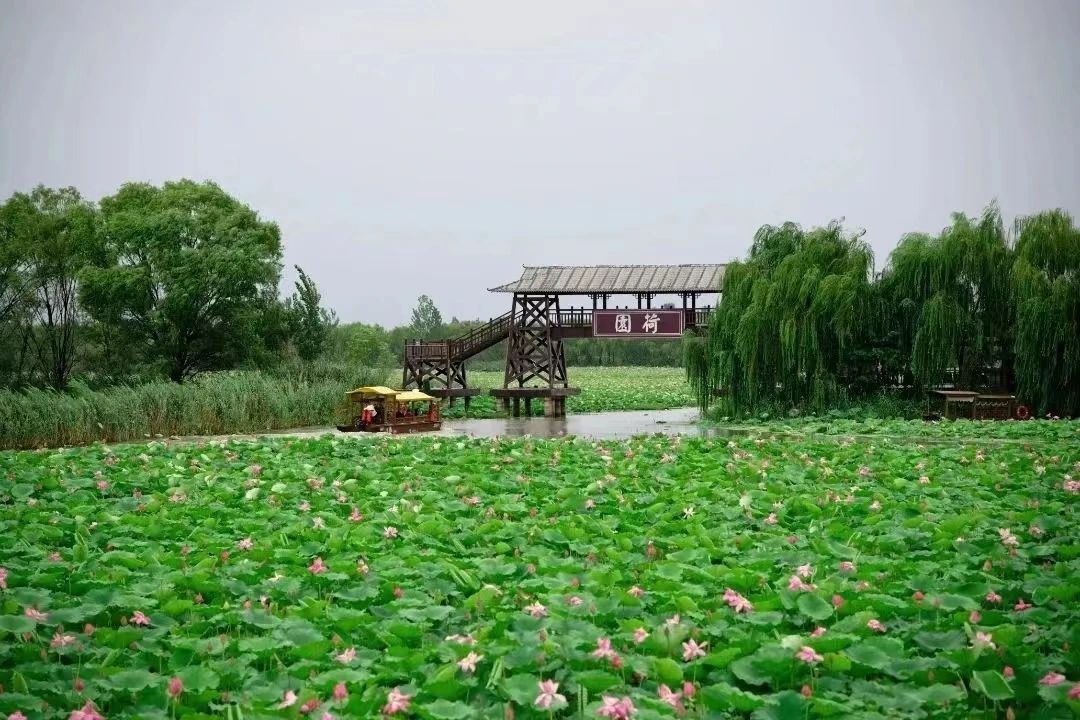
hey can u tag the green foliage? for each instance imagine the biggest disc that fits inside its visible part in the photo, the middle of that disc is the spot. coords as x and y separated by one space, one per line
426 319
369 346
216 544
310 323
949 300
214 403
48 236
791 317
188 267
1046 287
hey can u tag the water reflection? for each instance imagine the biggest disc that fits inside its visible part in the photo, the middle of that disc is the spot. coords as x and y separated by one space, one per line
597 426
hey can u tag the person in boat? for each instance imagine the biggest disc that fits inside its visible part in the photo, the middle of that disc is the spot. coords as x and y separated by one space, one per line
369 413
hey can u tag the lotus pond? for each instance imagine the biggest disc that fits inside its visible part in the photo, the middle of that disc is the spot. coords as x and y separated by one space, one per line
448 579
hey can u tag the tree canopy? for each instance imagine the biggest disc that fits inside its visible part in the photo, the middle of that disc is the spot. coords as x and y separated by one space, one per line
791 317
188 266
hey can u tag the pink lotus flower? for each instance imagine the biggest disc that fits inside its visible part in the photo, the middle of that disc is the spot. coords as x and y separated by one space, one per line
864 471
875 625
1074 692
688 690
326 716
795 583
138 618
924 480
255 469
548 695
876 505
35 614
691 650
346 656
590 504
636 591
847 566
837 601
318 523
461 639
305 506
807 655
16 716
55 557
3 578
355 515
102 485
309 706
804 571
362 568
603 649
1036 531
59 640
918 596
342 498
1007 538
341 693
176 686
396 702
673 620
536 610
390 532
736 601
245 544
771 519
640 635
1021 605
983 640
818 632
674 699
86 712
468 663
317 567
620 709
1008 672
574 601
1052 678
993 597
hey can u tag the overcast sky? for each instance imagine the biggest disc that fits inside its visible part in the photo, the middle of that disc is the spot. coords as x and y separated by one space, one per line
436 147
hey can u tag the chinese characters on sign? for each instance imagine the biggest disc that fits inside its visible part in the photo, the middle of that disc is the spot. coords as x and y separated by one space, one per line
638 323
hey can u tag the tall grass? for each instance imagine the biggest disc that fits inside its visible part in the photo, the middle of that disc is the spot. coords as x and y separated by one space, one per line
242 401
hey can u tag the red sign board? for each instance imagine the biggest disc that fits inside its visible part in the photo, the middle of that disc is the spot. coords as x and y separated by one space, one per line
638 324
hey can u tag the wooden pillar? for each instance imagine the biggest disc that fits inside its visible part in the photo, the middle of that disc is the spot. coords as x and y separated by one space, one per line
639 301
594 301
528 407
517 407
506 405
605 301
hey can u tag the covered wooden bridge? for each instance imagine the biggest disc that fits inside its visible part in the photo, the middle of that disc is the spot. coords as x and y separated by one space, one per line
537 324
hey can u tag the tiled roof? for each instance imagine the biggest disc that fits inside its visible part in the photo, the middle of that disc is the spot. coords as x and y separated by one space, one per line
612 279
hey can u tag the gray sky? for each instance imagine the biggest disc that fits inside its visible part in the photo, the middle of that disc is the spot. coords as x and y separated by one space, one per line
409 147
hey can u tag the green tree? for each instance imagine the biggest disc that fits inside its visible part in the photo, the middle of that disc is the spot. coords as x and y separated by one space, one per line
368 346
950 300
188 267
426 320
50 234
310 323
792 316
1046 288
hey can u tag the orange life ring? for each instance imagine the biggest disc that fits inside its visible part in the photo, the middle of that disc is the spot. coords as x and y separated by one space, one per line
1022 412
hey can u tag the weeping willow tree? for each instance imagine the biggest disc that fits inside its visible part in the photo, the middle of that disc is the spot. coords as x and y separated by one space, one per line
948 298
1046 286
791 318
